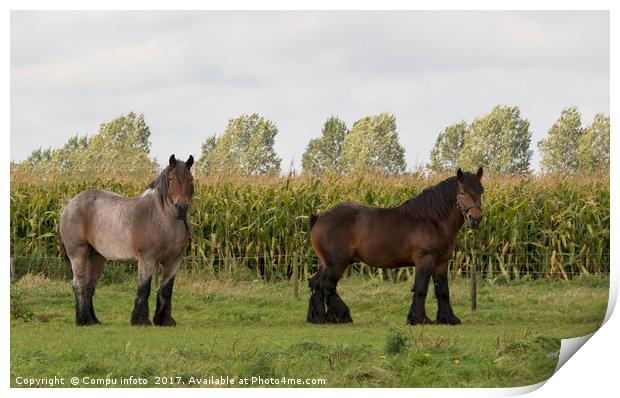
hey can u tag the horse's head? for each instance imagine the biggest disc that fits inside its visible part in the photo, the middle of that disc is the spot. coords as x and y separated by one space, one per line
180 185
469 196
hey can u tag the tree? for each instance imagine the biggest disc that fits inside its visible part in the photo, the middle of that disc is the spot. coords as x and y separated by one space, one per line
245 147
593 149
37 164
559 149
121 146
498 141
207 152
445 154
39 157
373 145
125 131
323 154
66 158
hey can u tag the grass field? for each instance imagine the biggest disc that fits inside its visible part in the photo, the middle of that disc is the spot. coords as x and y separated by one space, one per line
244 328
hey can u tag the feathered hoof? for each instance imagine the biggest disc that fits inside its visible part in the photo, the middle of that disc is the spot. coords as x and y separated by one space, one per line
337 311
316 308
87 322
448 319
415 319
140 322
167 321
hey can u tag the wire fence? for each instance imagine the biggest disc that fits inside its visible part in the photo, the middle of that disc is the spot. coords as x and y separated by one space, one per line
301 267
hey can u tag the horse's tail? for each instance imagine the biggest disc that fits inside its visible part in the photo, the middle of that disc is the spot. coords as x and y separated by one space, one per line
312 220
63 251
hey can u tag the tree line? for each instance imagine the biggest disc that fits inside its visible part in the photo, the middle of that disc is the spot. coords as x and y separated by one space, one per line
500 141
121 147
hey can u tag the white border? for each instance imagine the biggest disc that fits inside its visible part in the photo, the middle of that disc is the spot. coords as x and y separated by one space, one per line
593 368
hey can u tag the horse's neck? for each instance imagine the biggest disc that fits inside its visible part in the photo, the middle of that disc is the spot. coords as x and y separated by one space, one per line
454 222
163 212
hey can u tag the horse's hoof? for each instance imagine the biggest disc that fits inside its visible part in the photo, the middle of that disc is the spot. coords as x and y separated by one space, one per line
140 322
169 321
448 319
315 318
415 319
339 320
89 322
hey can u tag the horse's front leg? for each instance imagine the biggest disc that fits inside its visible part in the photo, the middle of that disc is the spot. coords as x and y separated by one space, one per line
417 312
140 314
444 309
163 310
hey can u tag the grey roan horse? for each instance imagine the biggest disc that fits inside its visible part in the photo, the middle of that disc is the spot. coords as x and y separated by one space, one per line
149 229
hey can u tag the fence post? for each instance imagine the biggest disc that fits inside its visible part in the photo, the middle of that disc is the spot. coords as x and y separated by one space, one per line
295 276
473 285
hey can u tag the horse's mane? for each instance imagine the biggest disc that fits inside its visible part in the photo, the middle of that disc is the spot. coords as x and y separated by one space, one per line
161 185
436 202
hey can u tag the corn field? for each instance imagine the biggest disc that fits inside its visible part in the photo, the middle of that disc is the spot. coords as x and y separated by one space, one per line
537 226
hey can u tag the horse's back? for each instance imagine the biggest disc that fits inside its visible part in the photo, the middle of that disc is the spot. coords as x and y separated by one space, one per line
383 237
101 219
341 216
92 200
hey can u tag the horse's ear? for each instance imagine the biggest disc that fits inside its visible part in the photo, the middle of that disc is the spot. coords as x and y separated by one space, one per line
459 175
479 173
173 161
189 162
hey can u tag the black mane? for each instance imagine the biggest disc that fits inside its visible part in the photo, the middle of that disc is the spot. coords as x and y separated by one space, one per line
436 202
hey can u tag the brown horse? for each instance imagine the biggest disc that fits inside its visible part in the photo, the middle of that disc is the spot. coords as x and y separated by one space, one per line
421 232
149 229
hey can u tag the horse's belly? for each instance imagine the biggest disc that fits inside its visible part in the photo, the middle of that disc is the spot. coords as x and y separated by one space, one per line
384 253
120 250
113 243
389 257
390 263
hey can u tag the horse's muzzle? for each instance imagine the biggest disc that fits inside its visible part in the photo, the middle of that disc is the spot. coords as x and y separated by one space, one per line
473 222
180 211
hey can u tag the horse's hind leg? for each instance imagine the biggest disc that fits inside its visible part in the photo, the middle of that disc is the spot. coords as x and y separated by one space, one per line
140 314
316 305
82 286
337 310
96 263
323 285
163 310
444 309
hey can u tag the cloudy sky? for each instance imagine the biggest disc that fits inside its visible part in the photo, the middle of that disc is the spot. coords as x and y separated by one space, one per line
189 72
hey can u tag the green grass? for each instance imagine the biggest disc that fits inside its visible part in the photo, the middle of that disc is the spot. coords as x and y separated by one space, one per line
253 328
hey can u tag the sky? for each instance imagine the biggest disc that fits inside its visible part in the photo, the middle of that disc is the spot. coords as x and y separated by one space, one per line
190 72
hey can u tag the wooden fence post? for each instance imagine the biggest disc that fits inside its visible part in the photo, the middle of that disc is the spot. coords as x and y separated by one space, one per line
295 276
473 286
